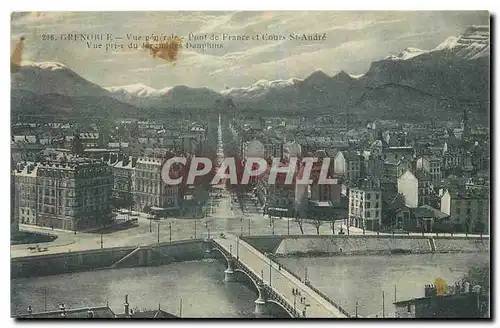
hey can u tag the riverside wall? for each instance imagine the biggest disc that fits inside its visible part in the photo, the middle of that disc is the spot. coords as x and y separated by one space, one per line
107 258
367 244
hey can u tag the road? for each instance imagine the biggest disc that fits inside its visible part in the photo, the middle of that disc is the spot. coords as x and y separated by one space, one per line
224 213
283 283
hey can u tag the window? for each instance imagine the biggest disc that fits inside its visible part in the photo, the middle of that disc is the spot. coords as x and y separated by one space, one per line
367 214
368 196
458 210
376 214
377 196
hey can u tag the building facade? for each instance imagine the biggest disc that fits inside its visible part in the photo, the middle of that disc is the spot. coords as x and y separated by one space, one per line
72 195
431 165
149 189
416 187
348 164
468 209
365 206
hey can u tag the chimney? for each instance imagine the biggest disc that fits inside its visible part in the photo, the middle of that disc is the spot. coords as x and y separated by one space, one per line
62 309
126 305
30 310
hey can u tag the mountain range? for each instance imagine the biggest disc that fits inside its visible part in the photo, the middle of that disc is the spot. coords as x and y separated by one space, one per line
452 76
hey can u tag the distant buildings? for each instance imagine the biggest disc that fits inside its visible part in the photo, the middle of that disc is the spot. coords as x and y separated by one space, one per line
432 165
416 188
348 163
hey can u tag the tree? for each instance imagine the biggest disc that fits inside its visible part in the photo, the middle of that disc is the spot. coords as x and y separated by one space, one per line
317 223
479 275
300 222
77 145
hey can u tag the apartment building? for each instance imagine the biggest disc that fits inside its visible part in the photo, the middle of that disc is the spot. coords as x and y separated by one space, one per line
348 164
365 205
150 191
468 209
71 195
432 165
416 187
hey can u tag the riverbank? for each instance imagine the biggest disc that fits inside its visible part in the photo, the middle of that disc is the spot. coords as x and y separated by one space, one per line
27 237
107 258
307 246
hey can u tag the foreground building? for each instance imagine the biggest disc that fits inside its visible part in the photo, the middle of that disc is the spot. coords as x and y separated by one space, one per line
149 190
70 195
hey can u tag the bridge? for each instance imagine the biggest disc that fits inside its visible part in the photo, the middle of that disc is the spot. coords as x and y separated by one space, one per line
275 285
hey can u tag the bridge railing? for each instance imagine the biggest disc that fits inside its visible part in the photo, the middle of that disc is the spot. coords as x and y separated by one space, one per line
308 284
270 291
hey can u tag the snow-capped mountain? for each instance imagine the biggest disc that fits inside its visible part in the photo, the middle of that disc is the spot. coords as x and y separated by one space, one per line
407 53
52 77
53 88
396 85
473 44
259 88
137 90
178 96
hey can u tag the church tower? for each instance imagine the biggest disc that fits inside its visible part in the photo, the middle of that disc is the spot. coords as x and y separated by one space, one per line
465 123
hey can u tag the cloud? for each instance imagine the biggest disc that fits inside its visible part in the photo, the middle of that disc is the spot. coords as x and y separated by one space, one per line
354 40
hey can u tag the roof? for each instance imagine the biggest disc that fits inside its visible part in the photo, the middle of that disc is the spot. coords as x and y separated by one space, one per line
350 155
428 211
468 194
97 312
152 314
422 175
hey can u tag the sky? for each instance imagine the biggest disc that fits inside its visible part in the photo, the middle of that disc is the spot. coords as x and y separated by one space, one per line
353 41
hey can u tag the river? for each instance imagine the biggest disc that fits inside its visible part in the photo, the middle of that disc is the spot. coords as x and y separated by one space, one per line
350 279
201 286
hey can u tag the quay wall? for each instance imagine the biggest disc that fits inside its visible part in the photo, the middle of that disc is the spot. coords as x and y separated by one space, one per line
107 258
367 244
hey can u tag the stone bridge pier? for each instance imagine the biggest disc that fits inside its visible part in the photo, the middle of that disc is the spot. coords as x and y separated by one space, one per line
207 245
229 275
261 302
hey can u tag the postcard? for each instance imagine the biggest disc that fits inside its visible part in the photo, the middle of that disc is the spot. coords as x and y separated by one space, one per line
278 164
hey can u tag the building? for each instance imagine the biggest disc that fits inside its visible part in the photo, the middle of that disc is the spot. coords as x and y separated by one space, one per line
396 215
96 312
468 209
428 219
416 188
71 195
348 164
374 166
457 301
395 168
14 198
26 193
365 205
432 165
150 192
123 173
281 197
